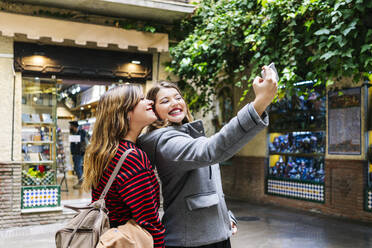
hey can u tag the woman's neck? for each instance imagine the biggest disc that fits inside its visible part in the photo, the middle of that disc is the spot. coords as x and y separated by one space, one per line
132 135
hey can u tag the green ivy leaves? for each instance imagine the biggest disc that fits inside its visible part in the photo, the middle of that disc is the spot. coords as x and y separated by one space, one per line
230 40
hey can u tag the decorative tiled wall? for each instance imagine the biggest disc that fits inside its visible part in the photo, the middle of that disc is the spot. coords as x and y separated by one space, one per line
297 190
40 196
369 200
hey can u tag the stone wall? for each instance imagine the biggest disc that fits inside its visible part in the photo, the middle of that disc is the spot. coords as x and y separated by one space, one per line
10 201
244 178
10 192
344 187
7 83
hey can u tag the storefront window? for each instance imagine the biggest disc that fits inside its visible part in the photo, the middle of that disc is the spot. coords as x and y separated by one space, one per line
297 145
39 187
46 134
368 191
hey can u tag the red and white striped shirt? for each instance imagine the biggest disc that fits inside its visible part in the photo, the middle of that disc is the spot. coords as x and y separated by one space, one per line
134 192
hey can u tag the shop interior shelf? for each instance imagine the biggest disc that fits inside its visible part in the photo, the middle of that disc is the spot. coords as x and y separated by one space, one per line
37 123
39 162
296 130
294 180
85 106
37 142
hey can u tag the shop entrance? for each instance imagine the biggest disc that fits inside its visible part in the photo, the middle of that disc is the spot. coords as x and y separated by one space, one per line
76 105
61 85
57 123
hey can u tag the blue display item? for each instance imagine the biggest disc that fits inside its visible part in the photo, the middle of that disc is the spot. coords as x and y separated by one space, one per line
300 112
299 142
307 169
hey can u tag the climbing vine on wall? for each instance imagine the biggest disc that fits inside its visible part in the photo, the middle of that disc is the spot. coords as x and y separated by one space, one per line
228 41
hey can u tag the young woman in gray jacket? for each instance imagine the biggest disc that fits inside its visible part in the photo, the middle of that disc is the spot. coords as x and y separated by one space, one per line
195 212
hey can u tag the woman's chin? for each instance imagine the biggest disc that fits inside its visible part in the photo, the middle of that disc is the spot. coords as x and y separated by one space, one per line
176 119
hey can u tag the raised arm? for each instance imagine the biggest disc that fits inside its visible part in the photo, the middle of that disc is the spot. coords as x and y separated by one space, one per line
176 148
179 149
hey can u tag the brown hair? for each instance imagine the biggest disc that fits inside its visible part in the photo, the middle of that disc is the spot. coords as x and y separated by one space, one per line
151 95
110 127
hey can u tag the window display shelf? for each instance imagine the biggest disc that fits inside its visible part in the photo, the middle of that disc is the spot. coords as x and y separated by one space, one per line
39 105
37 142
38 162
271 130
38 174
85 106
296 141
297 154
38 124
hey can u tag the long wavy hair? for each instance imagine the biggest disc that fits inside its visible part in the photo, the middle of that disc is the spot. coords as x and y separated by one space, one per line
110 127
152 94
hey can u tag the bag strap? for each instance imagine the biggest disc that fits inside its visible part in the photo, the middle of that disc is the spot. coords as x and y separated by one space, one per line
104 192
114 173
77 209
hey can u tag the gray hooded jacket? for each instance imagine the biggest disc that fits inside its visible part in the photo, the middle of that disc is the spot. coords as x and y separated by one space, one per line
195 211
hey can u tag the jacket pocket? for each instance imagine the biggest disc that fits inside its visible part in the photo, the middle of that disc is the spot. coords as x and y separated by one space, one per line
204 200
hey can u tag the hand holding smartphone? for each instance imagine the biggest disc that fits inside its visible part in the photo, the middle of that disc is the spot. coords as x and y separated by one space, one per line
271 66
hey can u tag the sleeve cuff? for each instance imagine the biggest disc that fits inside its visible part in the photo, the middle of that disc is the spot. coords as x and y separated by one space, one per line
232 218
248 118
264 120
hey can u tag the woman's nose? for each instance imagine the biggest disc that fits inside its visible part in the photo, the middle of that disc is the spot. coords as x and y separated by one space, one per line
151 102
174 102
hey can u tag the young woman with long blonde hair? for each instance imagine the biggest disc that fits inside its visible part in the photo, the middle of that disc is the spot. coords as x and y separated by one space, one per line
121 115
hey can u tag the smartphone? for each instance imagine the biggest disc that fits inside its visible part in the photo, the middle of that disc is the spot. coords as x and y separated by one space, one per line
272 66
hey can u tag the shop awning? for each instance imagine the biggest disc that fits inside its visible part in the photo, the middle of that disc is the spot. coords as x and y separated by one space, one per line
160 11
59 31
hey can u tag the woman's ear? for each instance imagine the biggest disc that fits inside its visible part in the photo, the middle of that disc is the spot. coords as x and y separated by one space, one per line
129 116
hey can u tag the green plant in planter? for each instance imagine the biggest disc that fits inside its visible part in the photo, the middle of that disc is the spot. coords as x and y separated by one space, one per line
36 177
35 173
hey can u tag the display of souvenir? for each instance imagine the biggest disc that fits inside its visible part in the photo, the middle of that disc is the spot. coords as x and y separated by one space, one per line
35 118
47 118
299 112
26 118
297 136
300 168
298 142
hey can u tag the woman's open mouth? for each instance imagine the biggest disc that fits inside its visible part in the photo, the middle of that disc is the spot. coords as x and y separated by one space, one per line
175 112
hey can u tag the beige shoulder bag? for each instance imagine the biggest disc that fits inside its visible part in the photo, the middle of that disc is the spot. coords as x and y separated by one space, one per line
90 226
